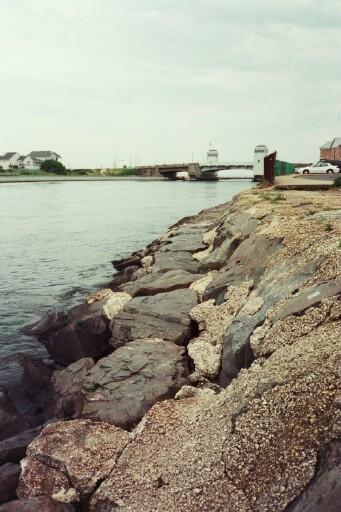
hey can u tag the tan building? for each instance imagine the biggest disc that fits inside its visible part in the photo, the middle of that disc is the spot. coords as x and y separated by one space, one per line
331 150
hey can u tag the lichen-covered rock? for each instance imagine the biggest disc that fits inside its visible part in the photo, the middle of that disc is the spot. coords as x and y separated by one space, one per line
68 459
122 387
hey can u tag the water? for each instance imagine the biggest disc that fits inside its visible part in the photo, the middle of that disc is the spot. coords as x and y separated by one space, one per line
57 241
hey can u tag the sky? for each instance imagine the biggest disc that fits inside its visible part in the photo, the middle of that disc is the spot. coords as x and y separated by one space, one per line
105 82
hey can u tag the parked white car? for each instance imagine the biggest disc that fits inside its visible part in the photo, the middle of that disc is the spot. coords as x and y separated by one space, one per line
318 168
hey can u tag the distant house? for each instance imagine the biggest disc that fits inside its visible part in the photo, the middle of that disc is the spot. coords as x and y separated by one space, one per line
331 150
32 161
9 160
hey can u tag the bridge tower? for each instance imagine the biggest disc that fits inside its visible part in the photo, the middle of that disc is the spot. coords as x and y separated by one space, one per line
260 153
212 156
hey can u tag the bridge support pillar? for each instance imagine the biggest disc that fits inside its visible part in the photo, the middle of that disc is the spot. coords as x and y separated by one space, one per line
194 171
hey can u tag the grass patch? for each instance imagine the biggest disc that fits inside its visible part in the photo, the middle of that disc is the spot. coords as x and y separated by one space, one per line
272 198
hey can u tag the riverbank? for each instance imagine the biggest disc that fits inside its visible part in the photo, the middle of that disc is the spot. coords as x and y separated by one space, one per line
49 179
206 376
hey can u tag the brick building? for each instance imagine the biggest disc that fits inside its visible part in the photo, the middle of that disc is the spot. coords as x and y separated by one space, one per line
331 150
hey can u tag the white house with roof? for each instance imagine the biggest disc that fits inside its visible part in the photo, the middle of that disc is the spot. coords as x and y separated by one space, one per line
33 160
9 160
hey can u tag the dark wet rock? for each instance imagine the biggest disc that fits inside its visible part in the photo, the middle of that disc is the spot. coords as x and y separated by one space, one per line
190 241
164 316
84 332
13 449
68 459
308 298
36 375
65 389
11 422
278 284
124 276
134 260
323 493
175 260
9 476
122 387
41 504
153 283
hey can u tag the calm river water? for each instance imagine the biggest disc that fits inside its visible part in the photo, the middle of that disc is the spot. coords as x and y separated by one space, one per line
57 241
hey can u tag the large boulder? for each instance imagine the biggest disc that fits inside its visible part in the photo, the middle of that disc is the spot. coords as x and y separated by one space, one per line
69 459
122 387
11 422
278 283
154 283
84 332
65 400
41 504
9 476
175 260
164 316
187 240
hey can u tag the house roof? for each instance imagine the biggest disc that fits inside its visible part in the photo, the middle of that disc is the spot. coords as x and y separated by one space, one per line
43 154
7 156
332 143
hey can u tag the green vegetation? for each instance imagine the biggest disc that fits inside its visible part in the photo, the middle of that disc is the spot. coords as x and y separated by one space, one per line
273 198
52 166
337 182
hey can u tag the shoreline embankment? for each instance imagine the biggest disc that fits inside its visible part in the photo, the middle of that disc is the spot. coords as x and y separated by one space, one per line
206 376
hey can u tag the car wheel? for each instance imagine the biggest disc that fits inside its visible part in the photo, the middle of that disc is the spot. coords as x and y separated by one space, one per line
330 171
305 171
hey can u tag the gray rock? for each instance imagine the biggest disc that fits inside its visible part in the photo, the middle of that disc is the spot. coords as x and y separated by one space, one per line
175 260
122 387
278 284
219 258
11 422
40 504
13 449
309 297
249 258
323 493
9 476
84 332
65 399
190 241
164 316
153 283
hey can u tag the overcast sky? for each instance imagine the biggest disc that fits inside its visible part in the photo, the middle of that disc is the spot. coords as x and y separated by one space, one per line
155 81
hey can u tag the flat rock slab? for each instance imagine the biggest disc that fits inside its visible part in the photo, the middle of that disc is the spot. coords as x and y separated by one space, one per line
41 504
165 316
308 298
68 459
9 476
175 260
153 283
190 242
122 387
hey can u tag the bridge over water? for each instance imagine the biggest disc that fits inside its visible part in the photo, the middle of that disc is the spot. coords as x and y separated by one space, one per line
197 171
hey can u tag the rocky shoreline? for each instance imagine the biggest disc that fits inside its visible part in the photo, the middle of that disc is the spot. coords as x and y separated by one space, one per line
206 376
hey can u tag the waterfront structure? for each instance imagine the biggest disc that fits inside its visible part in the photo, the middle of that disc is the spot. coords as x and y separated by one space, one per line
33 160
331 150
212 156
261 151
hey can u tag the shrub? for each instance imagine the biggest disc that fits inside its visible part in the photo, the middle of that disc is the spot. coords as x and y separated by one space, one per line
337 182
53 166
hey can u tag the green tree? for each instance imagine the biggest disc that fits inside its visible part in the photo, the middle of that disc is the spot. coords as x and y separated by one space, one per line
53 166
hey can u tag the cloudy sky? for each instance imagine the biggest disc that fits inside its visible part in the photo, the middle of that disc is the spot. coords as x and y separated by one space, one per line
153 81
